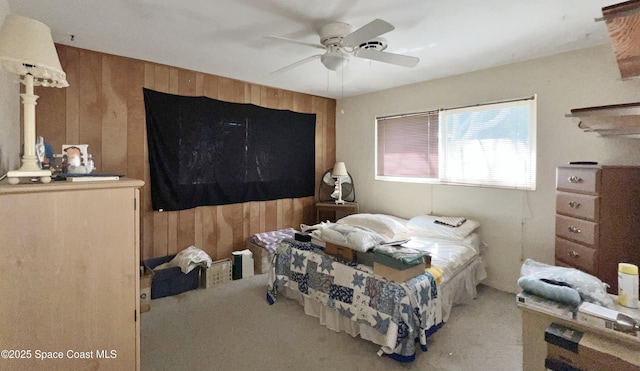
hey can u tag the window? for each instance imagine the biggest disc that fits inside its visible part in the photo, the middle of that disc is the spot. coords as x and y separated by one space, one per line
485 145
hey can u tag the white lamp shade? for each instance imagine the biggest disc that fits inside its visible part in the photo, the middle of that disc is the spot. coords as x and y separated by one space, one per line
26 47
339 170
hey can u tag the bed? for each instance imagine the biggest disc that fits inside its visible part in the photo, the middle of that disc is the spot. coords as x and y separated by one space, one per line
347 296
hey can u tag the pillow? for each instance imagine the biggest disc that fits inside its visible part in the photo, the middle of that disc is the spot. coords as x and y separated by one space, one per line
590 288
425 225
386 226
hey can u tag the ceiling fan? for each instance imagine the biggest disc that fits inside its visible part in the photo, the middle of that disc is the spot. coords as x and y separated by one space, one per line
340 41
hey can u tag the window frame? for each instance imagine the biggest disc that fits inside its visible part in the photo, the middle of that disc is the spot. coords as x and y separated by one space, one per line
442 122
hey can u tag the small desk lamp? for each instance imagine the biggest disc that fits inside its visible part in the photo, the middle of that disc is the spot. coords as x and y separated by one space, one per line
27 49
339 172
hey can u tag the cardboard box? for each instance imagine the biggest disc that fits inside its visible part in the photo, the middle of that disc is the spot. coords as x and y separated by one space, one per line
341 252
588 351
261 258
242 264
146 276
398 275
171 281
219 272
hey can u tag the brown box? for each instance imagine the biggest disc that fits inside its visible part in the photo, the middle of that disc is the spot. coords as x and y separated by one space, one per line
398 275
341 252
146 276
588 351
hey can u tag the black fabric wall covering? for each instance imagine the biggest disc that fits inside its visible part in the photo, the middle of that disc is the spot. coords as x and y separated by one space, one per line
207 152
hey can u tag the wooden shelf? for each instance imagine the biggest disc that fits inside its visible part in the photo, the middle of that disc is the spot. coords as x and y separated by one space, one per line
623 25
607 121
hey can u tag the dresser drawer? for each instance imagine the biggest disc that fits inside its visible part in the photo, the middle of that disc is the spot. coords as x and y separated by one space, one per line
578 179
579 205
582 231
576 255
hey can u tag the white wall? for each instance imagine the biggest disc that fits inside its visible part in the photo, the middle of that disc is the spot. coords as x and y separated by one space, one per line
9 113
515 224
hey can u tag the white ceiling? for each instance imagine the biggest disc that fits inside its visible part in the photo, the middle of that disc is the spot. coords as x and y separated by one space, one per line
226 37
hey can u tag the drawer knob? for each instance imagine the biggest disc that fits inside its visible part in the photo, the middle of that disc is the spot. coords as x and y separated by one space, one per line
574 179
573 254
573 229
574 204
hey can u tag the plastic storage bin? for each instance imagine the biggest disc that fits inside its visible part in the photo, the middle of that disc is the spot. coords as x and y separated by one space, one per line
171 281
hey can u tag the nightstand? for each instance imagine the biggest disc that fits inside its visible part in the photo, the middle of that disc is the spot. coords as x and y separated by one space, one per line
332 211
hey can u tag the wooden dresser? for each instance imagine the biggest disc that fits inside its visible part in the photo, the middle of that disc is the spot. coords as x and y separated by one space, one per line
69 275
598 219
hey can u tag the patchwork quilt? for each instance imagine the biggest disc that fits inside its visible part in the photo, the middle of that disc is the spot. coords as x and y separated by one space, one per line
405 313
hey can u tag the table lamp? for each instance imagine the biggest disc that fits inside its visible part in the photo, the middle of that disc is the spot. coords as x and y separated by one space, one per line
339 172
27 49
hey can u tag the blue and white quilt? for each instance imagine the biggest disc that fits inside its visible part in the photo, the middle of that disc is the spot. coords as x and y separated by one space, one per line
407 312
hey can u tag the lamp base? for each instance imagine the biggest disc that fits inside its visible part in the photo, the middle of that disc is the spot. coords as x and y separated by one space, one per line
15 175
340 202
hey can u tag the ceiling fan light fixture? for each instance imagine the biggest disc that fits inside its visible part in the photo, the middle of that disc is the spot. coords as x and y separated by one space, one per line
334 59
334 62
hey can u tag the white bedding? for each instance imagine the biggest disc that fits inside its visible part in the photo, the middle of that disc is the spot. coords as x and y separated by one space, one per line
361 232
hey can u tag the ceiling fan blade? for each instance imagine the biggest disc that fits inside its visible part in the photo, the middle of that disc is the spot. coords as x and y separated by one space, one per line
296 64
367 32
293 41
398 59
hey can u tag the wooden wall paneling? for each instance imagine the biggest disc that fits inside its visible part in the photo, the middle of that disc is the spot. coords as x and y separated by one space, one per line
297 213
50 115
105 98
90 106
210 86
172 232
186 228
115 71
174 80
287 213
302 103
136 121
230 90
160 235
161 78
270 98
186 83
136 148
286 100
239 238
271 215
199 84
224 230
198 238
279 216
51 110
146 212
263 216
321 165
253 221
254 94
210 232
72 104
330 134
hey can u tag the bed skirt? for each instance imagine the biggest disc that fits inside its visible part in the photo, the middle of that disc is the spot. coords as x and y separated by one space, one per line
460 289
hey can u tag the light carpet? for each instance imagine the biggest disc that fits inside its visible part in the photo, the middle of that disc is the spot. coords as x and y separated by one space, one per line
232 327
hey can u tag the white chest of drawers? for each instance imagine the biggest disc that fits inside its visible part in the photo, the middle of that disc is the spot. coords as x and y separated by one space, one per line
598 219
